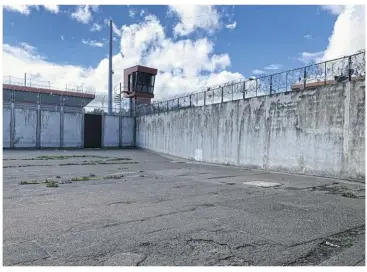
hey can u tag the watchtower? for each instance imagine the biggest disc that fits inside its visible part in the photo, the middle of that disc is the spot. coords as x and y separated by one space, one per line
139 85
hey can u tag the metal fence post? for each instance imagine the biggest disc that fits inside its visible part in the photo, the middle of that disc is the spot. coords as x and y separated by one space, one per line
222 95
256 87
325 73
38 124
62 125
190 100
286 81
120 129
204 98
82 129
167 106
178 103
120 99
244 90
271 84
12 122
304 78
350 68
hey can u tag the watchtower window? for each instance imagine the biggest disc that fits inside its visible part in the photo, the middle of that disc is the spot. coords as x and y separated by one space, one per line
130 83
145 82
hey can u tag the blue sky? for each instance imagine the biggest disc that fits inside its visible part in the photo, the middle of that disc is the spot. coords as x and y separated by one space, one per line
244 40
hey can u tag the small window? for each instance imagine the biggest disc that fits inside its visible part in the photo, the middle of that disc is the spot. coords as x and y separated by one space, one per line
134 81
129 83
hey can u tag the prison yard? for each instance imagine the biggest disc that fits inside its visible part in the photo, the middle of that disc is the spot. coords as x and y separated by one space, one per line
138 208
264 172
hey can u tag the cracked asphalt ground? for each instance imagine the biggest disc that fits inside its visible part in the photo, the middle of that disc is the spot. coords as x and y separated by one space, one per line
137 208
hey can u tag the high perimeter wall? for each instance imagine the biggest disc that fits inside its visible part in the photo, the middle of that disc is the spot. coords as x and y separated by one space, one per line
316 131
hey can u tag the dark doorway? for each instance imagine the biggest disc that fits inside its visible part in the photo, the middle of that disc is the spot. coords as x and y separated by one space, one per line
92 130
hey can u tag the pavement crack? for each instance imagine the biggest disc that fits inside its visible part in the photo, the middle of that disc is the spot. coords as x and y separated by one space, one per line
243 246
222 177
332 188
361 260
142 260
123 202
334 234
324 249
149 218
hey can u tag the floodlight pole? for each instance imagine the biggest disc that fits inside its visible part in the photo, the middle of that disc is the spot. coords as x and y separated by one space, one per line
110 73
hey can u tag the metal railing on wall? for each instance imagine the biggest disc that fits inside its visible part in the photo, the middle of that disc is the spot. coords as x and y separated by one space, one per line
318 74
329 72
27 81
96 103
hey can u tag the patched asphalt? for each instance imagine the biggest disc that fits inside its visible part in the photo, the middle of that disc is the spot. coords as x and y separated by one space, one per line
138 208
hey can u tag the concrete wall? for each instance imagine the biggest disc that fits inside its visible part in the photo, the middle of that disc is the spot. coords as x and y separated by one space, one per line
50 128
72 130
46 128
110 131
127 131
25 128
114 135
315 131
6 126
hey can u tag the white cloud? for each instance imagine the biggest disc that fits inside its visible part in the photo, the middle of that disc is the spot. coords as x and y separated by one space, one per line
258 72
62 37
24 9
142 12
349 33
347 38
193 17
28 48
132 13
93 43
22 51
52 8
83 13
96 27
333 9
184 65
232 26
310 57
308 37
273 67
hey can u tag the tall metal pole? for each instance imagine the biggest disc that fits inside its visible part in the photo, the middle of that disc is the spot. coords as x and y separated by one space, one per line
110 74
120 97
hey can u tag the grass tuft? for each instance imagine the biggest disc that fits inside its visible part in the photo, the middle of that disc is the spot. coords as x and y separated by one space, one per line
84 178
52 183
113 177
29 182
